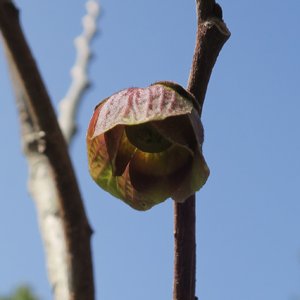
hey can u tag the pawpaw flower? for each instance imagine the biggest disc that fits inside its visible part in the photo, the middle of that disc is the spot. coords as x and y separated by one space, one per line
145 145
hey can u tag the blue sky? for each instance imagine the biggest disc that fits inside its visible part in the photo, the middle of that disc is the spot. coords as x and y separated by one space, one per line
248 225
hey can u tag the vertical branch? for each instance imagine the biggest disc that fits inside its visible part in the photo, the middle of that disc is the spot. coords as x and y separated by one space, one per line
212 34
41 186
41 183
47 152
185 250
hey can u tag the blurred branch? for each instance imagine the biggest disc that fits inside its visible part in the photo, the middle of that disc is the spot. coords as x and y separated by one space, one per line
41 185
52 180
212 34
69 104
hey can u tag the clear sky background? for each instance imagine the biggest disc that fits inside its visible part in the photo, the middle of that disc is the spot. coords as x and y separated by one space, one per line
248 213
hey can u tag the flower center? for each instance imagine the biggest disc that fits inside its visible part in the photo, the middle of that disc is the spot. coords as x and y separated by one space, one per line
147 138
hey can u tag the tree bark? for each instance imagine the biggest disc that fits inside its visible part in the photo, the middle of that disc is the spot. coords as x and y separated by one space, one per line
48 140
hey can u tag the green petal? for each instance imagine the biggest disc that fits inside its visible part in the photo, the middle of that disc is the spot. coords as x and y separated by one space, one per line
147 138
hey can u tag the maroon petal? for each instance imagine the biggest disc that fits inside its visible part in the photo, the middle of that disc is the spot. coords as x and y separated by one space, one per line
180 90
198 128
197 175
159 173
140 105
178 130
119 149
194 178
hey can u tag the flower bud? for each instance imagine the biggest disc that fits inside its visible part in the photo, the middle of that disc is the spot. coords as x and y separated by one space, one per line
145 145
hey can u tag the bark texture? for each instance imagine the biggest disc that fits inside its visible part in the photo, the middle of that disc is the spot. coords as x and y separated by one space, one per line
52 183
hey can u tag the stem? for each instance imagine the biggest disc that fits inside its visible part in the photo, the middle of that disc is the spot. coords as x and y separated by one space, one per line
185 250
212 34
77 230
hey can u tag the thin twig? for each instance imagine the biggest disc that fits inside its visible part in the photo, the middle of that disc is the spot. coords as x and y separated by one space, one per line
50 141
69 104
212 34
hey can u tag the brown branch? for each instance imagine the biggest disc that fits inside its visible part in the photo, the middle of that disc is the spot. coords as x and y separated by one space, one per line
41 186
212 34
76 227
185 254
